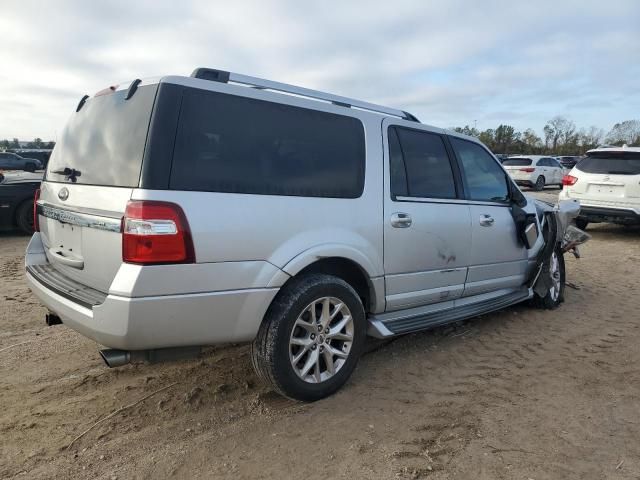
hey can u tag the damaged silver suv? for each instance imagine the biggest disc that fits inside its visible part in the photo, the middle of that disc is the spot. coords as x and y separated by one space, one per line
179 212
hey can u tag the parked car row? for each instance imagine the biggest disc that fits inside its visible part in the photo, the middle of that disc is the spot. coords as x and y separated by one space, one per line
13 161
41 154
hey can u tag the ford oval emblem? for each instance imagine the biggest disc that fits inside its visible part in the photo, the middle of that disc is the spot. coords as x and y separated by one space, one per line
63 194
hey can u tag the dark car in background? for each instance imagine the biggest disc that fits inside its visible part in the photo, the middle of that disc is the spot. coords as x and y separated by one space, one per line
13 161
569 161
41 154
17 190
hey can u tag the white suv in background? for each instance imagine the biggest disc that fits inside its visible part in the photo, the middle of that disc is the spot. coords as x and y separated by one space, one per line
607 183
534 171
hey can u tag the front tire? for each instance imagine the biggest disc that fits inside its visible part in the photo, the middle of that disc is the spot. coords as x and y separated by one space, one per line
555 295
539 185
30 167
311 338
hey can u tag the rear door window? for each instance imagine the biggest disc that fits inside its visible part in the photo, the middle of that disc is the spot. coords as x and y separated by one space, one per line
623 164
420 165
485 180
399 187
233 144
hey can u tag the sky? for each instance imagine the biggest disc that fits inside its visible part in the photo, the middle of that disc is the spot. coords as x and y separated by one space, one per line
449 62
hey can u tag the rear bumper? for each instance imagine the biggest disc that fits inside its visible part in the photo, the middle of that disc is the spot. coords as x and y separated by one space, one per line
149 322
608 214
526 183
522 179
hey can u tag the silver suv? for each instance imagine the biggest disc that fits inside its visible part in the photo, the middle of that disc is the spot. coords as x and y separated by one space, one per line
179 212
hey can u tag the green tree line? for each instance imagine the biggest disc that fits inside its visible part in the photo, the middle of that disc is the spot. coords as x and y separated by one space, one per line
15 144
560 137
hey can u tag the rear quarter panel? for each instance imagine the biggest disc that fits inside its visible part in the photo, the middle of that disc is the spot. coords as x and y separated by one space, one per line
230 227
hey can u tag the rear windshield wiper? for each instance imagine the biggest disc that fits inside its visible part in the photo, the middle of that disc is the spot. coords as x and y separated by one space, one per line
69 173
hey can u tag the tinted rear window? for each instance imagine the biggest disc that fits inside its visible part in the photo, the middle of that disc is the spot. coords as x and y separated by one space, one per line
105 140
227 143
627 164
517 162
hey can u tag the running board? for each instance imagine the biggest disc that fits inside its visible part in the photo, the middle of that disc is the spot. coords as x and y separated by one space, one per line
403 323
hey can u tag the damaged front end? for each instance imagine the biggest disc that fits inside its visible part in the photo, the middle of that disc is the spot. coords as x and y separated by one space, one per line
559 236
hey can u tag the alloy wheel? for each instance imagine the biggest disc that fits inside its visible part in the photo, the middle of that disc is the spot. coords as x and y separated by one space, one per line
321 339
554 291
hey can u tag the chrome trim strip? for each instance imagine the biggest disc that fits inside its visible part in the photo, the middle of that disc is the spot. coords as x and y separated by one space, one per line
450 201
109 224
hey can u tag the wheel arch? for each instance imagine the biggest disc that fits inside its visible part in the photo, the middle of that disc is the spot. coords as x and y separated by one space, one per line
349 267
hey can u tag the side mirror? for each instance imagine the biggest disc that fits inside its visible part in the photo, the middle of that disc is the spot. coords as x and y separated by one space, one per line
530 235
515 195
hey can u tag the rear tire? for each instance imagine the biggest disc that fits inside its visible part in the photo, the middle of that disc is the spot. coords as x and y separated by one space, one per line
539 185
24 217
311 338
582 223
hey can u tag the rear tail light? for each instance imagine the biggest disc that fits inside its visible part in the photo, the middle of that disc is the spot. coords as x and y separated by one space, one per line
528 170
154 233
36 224
569 180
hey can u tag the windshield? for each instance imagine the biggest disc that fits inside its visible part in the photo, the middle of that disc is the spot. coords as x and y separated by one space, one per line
626 164
104 142
517 162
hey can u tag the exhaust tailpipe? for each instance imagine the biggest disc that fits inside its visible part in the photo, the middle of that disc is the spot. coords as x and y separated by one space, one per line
52 319
115 358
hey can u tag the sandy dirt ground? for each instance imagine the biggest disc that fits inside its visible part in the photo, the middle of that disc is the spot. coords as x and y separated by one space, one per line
519 394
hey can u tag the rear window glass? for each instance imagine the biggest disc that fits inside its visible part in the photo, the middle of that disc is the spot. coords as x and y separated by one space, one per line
227 143
622 165
105 140
517 162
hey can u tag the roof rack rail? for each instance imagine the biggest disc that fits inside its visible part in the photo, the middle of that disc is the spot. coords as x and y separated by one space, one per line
261 83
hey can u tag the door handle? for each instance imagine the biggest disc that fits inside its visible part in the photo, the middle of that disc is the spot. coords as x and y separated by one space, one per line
486 220
401 220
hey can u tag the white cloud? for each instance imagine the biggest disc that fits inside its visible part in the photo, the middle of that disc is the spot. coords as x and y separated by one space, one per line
450 63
